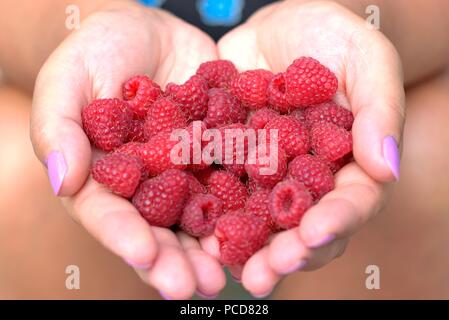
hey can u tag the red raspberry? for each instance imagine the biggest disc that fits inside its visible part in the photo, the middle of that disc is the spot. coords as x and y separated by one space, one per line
155 154
330 141
299 114
313 173
223 108
336 165
228 188
201 214
260 118
239 154
191 97
265 168
135 131
164 116
329 112
218 73
308 82
292 135
195 130
276 94
141 92
204 174
240 235
160 200
258 204
194 185
289 200
120 173
251 88
131 149
106 122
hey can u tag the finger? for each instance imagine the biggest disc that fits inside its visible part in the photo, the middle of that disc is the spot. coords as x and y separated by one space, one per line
317 258
211 246
209 274
286 252
114 222
171 273
56 131
341 212
257 276
379 121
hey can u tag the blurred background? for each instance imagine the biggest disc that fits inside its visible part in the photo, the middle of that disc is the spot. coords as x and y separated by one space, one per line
408 241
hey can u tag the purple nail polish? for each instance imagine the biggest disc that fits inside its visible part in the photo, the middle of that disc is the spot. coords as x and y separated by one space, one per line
205 296
296 267
322 242
57 169
391 155
138 266
164 296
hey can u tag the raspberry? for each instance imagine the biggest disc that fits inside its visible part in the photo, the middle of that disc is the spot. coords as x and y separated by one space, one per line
223 108
191 96
336 165
240 236
258 204
218 73
203 175
329 112
228 188
330 141
265 168
201 214
292 134
194 185
195 130
260 118
164 116
238 154
141 92
106 122
160 200
276 94
308 82
299 114
120 173
289 200
135 131
251 87
156 156
314 173
131 149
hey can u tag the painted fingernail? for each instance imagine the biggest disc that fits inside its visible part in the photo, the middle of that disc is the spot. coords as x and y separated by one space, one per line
57 169
206 296
164 296
296 267
143 266
261 296
391 155
322 242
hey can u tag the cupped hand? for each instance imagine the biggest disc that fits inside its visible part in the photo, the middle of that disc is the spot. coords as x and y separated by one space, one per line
112 45
370 84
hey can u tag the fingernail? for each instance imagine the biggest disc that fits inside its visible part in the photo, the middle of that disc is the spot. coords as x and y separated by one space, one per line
163 295
322 242
296 267
391 155
261 296
205 296
143 266
56 169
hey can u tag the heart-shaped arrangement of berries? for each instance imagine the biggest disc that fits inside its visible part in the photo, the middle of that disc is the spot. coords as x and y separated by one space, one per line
257 150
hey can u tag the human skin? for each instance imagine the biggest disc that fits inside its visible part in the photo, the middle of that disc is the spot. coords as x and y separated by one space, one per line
50 78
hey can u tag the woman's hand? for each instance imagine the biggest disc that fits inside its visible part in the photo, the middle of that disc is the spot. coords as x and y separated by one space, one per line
370 84
112 45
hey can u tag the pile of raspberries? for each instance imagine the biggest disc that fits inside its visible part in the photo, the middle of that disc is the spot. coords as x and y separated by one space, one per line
233 201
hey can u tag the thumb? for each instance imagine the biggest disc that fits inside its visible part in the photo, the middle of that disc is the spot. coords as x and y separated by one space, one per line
376 94
56 130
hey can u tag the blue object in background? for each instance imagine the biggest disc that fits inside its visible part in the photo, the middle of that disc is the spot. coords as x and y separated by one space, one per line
220 12
152 3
